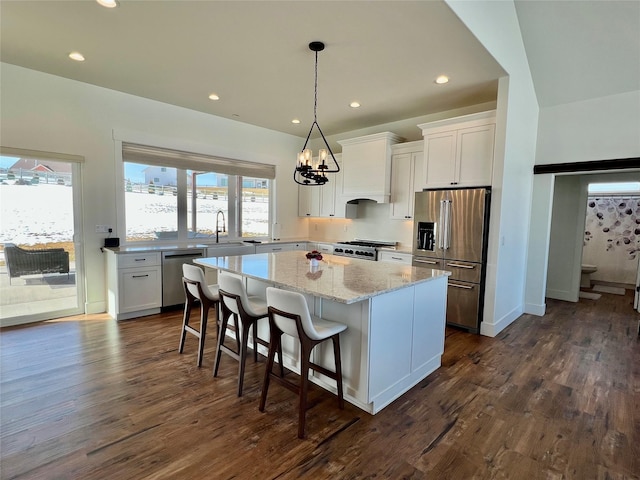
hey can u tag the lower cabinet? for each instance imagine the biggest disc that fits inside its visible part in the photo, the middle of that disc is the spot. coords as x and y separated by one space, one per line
135 284
395 257
279 247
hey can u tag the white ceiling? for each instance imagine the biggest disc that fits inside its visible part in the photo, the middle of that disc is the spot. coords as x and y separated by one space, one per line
254 55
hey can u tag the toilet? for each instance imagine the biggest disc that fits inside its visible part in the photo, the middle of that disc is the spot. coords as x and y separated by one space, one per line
585 278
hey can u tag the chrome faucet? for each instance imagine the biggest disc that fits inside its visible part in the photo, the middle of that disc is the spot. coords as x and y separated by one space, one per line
224 228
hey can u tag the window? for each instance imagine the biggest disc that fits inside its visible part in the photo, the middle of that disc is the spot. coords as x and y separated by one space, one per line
165 202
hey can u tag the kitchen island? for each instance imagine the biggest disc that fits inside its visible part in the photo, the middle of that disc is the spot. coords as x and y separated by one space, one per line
395 316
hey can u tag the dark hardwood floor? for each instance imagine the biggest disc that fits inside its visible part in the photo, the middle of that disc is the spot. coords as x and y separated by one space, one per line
550 397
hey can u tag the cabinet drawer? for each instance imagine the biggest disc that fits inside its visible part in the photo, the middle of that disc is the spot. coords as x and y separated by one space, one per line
395 257
138 259
464 271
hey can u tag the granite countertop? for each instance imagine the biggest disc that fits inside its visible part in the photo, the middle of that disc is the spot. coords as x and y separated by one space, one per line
341 279
164 247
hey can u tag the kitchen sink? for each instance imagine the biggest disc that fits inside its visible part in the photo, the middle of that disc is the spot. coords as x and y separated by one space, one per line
231 248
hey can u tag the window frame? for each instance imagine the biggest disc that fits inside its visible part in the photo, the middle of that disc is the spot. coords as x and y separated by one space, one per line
233 219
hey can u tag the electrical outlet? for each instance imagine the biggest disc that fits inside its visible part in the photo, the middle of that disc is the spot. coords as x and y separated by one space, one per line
103 228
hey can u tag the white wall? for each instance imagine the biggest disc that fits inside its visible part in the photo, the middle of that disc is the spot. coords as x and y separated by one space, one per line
597 129
495 25
567 232
49 113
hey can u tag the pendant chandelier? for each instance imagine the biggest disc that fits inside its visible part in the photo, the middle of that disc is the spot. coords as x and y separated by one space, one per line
309 172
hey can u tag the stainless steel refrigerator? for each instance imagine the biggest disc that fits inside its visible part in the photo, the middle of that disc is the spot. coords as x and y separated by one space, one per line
450 233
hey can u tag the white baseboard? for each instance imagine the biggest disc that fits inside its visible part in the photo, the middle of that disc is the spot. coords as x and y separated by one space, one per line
95 307
493 329
562 295
535 309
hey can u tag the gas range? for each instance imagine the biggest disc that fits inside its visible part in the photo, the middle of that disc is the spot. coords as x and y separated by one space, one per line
364 249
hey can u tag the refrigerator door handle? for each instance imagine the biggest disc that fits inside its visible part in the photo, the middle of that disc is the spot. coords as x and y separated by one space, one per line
441 225
430 262
458 265
447 223
457 285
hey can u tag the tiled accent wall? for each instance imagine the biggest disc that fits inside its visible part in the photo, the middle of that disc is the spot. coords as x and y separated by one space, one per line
612 237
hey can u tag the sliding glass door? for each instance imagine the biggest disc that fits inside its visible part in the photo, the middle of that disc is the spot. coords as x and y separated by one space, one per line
40 216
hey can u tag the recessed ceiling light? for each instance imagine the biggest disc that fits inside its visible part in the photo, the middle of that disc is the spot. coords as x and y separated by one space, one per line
77 56
213 96
354 104
295 120
442 79
108 3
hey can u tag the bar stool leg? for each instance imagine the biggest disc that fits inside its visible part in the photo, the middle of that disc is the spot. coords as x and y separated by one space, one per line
304 389
221 334
204 317
274 344
336 354
185 322
243 356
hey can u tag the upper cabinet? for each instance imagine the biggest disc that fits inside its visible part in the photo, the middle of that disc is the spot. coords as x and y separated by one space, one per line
367 167
406 175
459 151
325 201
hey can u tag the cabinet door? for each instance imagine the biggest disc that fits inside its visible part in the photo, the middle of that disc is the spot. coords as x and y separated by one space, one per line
328 197
139 289
475 155
402 167
308 201
440 169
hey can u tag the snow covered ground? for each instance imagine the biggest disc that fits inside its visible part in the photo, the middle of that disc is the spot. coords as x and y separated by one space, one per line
35 214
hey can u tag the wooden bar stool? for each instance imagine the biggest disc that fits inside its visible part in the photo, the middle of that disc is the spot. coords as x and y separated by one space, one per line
197 290
246 310
289 314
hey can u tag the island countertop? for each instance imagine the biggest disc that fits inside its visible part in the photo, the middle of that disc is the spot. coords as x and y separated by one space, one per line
340 279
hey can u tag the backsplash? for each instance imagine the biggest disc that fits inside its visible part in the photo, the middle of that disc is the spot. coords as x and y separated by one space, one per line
373 223
612 237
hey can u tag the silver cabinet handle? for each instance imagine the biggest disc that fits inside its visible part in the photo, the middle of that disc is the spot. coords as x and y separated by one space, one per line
430 262
396 258
139 276
458 265
457 285
276 249
140 260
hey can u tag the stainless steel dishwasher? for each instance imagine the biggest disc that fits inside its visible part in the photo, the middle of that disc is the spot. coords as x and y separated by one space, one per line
172 260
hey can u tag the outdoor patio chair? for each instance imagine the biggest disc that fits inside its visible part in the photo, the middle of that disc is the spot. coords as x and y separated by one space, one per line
30 262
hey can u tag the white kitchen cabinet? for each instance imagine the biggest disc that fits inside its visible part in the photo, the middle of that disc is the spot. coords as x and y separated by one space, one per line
277 247
309 201
324 248
459 151
406 171
395 257
325 201
367 167
135 284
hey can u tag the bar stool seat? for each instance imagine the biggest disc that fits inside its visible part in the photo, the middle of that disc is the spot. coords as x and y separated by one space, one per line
197 290
245 310
289 314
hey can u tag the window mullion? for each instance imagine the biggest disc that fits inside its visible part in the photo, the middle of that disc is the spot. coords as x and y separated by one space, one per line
182 204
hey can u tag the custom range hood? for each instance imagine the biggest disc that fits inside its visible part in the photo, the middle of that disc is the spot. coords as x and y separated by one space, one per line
366 165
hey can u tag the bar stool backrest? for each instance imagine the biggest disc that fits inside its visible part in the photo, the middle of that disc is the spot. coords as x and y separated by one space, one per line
232 284
296 304
194 273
